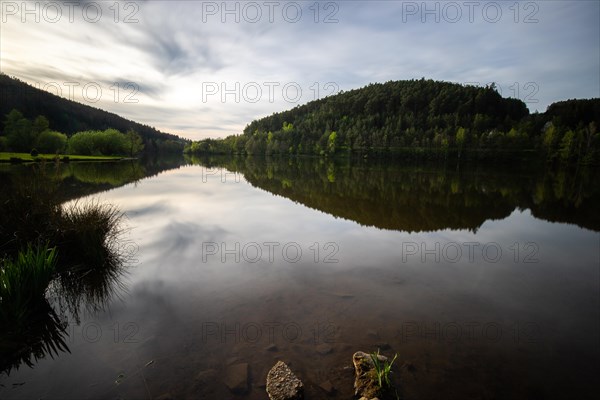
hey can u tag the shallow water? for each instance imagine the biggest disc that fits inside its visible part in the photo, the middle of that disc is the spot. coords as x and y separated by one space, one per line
486 284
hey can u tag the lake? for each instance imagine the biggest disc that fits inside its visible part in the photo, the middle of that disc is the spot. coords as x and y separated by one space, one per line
484 281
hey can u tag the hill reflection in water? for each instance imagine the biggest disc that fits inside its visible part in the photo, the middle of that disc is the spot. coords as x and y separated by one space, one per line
421 198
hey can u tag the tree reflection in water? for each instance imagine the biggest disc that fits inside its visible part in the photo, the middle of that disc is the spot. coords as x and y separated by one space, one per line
422 197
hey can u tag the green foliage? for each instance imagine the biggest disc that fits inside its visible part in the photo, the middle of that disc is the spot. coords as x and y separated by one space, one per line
134 143
23 135
24 280
393 114
114 174
549 138
571 113
383 117
33 213
461 135
332 142
82 143
91 226
40 124
383 369
69 117
107 142
287 127
50 142
567 145
423 117
83 269
18 132
34 153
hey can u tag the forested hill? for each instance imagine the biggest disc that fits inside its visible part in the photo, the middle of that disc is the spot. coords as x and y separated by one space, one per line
68 116
420 116
399 113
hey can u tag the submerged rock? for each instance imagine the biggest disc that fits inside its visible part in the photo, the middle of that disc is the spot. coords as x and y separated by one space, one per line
371 334
327 387
271 347
324 349
236 378
282 384
206 385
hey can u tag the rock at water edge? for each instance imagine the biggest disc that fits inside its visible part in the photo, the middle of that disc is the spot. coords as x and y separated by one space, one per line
365 381
282 384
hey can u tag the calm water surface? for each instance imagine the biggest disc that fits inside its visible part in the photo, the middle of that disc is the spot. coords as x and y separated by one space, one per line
485 283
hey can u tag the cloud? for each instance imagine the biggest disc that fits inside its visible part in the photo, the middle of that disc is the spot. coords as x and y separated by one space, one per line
174 52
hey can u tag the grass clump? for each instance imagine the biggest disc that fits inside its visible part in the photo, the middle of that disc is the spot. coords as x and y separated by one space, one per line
29 327
24 280
383 369
90 278
87 233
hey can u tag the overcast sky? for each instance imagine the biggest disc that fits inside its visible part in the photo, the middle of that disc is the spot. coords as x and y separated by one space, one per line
206 69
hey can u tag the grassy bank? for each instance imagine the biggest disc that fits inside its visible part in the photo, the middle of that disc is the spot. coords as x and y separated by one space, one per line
26 157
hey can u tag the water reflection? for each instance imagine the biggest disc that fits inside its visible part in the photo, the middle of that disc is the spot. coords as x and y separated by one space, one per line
80 179
29 340
481 328
91 267
422 198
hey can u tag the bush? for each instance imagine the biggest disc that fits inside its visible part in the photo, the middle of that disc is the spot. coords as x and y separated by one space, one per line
90 143
50 142
34 153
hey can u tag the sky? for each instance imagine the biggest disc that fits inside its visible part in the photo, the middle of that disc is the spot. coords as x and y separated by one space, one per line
203 69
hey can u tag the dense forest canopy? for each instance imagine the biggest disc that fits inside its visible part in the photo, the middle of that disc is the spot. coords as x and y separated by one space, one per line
69 117
433 117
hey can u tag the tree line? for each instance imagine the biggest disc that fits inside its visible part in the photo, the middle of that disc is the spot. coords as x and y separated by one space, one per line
26 136
70 117
420 117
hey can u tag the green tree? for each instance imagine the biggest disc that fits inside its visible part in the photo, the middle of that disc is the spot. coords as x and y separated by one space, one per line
51 142
11 120
112 142
82 143
134 143
18 132
461 135
108 142
549 140
40 124
288 127
567 146
332 142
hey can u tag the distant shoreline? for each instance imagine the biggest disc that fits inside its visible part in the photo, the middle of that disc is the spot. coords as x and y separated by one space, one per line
19 158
